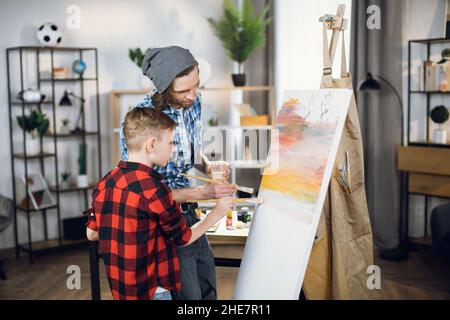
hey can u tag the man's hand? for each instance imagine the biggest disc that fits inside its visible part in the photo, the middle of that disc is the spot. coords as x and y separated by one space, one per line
217 190
217 166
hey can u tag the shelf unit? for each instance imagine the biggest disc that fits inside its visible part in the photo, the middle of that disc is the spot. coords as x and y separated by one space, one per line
116 95
20 152
241 163
426 164
235 133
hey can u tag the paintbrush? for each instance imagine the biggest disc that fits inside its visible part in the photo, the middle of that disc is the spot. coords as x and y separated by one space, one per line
256 201
342 178
347 170
240 188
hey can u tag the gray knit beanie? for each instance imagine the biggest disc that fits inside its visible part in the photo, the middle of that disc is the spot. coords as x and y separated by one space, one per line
162 65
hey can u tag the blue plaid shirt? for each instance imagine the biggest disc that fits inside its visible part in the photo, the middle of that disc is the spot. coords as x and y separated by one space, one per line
178 163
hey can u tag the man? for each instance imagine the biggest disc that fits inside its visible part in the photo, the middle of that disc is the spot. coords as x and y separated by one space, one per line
174 72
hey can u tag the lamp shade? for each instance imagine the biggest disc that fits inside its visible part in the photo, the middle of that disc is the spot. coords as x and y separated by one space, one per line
65 100
369 84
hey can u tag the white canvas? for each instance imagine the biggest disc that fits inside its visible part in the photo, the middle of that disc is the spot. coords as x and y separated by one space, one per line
277 250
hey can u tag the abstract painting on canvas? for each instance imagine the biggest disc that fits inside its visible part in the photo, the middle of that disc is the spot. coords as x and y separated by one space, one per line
294 186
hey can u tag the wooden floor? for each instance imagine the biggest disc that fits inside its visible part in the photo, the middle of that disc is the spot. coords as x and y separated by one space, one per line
420 277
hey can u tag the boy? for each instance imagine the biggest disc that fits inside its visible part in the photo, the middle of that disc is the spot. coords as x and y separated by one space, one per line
175 73
135 218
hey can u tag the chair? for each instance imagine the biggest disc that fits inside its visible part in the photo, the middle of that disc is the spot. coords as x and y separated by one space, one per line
6 208
440 232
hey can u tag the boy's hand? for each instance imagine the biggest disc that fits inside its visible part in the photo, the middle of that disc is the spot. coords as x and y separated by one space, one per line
219 211
223 206
218 190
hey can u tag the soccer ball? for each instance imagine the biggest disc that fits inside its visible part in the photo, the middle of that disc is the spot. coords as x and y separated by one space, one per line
49 35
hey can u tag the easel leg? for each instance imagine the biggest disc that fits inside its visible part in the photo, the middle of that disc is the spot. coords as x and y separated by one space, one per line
302 296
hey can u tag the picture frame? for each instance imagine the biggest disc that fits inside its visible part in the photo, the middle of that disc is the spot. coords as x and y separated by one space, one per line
38 192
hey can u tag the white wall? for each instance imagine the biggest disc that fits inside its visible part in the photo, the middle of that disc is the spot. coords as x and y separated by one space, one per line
112 26
298 43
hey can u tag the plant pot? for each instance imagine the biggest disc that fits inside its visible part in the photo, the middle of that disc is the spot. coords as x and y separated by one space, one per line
64 130
33 145
64 185
440 136
238 79
82 181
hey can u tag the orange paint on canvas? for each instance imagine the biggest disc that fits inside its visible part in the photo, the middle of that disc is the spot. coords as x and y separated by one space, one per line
303 151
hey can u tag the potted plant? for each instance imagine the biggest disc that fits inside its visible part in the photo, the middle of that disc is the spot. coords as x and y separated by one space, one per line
65 126
241 31
445 56
137 56
65 175
213 122
36 125
82 178
439 115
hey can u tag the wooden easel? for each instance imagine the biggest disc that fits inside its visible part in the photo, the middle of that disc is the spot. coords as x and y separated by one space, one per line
337 24
342 251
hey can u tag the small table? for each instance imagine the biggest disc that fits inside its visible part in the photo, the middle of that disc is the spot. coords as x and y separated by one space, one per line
228 243
222 234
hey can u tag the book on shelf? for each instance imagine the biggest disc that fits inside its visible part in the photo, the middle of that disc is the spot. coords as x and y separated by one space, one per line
430 76
433 77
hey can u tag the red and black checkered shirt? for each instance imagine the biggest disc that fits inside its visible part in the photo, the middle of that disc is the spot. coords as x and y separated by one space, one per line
139 227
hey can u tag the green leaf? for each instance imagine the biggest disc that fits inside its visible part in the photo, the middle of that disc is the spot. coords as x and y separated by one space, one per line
35 121
137 56
240 30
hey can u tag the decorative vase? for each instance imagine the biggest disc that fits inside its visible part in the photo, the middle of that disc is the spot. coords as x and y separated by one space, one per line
82 181
64 184
238 75
64 129
238 79
440 136
33 145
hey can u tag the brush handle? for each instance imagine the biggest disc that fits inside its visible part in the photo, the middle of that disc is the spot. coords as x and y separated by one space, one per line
198 178
245 189
235 200
240 188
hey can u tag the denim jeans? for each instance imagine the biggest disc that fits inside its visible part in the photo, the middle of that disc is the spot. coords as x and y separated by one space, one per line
197 270
163 296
